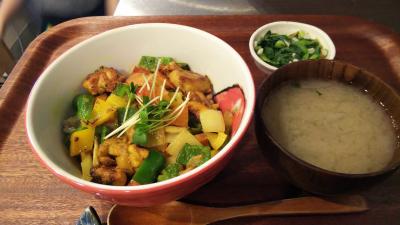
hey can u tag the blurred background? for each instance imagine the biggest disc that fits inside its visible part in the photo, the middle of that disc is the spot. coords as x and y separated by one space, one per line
23 20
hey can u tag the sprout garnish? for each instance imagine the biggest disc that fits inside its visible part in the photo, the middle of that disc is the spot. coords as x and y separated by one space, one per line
153 114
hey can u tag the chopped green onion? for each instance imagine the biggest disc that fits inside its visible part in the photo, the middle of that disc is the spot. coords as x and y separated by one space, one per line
279 50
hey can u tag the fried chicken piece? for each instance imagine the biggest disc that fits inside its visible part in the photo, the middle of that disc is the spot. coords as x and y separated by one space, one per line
136 155
102 80
106 161
138 79
190 81
200 97
114 146
108 175
166 69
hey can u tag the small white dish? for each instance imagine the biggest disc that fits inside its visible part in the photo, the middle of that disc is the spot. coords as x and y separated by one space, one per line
288 27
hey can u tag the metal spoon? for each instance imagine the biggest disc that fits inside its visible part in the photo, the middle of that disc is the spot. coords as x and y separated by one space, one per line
89 217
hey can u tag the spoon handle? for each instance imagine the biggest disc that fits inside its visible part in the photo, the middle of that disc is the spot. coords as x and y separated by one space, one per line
179 213
295 206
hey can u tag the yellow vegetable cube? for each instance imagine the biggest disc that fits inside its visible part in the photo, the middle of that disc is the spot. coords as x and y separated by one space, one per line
169 137
123 163
212 120
81 141
216 139
116 101
156 138
102 112
174 129
171 132
86 165
177 144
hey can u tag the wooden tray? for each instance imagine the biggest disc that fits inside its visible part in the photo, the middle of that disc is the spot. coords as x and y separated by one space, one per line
29 194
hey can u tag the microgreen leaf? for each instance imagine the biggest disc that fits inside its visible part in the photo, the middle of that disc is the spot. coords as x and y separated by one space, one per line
121 113
152 115
132 88
146 99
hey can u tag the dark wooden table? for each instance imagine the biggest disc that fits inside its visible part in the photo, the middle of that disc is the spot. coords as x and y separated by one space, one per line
29 194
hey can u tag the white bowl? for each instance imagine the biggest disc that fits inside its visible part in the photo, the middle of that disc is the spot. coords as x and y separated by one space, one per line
121 48
287 27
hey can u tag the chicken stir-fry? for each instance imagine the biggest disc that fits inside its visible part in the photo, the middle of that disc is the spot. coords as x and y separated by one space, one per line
151 125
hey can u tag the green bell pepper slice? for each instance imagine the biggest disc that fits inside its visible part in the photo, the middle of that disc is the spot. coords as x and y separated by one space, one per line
171 171
101 132
150 62
189 151
84 106
150 168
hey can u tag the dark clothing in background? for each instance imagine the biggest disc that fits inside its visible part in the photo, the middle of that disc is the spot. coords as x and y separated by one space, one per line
52 12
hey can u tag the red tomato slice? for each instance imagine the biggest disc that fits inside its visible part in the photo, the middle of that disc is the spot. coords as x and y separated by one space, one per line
232 100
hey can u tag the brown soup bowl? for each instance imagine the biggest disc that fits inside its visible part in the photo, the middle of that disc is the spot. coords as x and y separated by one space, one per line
302 174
